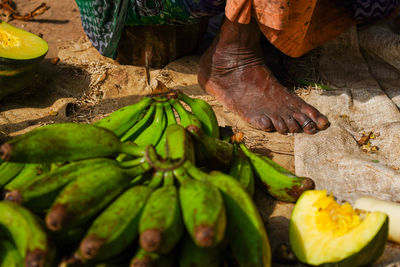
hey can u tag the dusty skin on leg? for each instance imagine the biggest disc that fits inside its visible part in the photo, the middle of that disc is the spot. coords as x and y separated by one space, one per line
234 72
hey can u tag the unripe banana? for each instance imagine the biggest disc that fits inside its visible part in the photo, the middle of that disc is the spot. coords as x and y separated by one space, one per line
83 198
27 174
241 170
9 255
124 118
245 229
179 144
186 118
152 134
169 112
65 142
203 111
9 170
281 185
160 225
203 210
40 193
27 234
116 227
140 126
193 256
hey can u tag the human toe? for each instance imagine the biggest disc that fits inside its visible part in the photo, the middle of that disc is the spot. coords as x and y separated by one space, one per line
280 125
262 123
292 124
306 123
320 120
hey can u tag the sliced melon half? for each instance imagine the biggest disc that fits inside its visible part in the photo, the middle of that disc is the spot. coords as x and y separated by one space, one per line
324 232
20 55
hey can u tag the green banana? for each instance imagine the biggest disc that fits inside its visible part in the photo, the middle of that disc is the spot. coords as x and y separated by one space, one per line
116 227
186 118
160 225
9 170
124 118
9 255
169 112
83 198
27 234
65 142
140 126
203 111
241 170
210 151
281 185
28 173
179 144
245 229
156 180
193 256
143 258
39 194
152 134
203 210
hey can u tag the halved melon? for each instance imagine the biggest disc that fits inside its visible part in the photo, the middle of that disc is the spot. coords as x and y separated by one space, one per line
20 55
324 232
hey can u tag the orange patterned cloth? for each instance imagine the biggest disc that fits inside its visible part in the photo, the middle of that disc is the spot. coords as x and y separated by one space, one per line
271 13
293 26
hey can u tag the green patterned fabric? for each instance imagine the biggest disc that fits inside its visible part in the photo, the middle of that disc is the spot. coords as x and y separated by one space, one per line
104 20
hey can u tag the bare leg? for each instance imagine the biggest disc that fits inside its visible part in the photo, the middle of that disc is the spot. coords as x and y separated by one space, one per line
233 71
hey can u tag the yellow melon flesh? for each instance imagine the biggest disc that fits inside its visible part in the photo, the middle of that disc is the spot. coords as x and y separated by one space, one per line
19 44
323 231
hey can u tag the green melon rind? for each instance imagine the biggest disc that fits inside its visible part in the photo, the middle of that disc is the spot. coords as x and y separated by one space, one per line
18 74
366 255
17 78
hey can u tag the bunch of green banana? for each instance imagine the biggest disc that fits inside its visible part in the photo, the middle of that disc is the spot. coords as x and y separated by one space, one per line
102 194
145 122
25 231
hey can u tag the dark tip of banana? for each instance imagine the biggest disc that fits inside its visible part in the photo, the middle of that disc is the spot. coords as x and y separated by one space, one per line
90 246
35 258
54 219
204 236
13 196
193 128
5 151
145 262
296 191
150 240
307 184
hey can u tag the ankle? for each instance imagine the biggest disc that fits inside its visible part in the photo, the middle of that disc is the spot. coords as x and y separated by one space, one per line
235 35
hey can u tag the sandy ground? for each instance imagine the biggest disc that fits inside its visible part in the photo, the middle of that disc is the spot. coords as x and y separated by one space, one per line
85 86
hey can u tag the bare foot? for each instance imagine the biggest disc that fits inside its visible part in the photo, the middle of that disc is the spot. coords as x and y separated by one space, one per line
233 71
